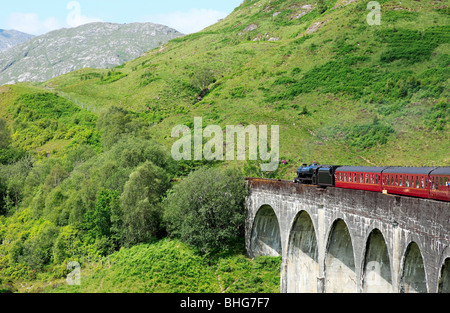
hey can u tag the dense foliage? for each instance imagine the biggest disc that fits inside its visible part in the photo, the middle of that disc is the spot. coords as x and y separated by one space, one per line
206 209
93 197
171 266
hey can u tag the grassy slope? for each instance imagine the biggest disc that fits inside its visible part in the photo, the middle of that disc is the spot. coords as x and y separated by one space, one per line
273 82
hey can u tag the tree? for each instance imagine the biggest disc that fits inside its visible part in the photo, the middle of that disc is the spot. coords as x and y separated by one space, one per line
141 204
206 210
14 177
67 245
98 220
321 6
37 249
3 209
202 78
5 137
113 124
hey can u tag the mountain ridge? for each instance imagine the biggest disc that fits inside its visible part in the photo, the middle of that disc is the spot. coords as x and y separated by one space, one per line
101 45
11 38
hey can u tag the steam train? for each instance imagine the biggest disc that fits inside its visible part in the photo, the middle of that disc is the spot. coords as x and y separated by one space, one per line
422 182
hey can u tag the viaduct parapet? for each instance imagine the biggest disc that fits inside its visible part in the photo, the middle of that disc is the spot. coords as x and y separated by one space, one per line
340 241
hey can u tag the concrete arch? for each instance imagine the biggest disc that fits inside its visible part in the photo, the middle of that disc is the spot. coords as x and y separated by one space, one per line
444 274
413 276
376 271
265 236
340 274
302 264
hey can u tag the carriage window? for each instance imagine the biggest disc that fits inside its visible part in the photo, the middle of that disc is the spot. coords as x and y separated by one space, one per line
345 177
432 184
407 181
417 182
376 179
422 185
361 180
371 179
367 178
412 181
392 180
354 178
441 182
401 181
445 182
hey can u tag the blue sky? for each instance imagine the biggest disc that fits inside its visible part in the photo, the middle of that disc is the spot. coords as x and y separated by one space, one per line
39 17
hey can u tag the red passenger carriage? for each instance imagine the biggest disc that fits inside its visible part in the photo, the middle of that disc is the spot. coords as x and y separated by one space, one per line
440 184
408 181
359 177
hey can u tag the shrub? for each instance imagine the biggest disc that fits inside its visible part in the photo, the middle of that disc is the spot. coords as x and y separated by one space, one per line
368 135
438 116
410 45
141 204
206 210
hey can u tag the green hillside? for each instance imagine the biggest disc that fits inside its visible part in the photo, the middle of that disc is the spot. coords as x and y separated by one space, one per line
342 91
85 157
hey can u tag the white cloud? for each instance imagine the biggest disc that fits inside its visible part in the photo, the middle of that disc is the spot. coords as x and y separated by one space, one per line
30 23
75 19
188 22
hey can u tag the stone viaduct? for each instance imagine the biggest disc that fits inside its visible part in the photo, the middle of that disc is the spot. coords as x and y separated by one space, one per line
341 241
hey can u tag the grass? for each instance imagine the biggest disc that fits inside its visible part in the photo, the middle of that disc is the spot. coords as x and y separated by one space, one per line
170 266
345 74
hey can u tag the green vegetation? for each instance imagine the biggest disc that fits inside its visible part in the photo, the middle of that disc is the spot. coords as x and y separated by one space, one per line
91 203
206 209
42 117
111 77
85 168
170 266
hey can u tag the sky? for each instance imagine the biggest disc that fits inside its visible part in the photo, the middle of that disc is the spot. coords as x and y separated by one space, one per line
39 17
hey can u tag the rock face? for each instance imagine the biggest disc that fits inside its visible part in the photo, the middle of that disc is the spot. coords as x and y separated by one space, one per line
11 38
98 45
